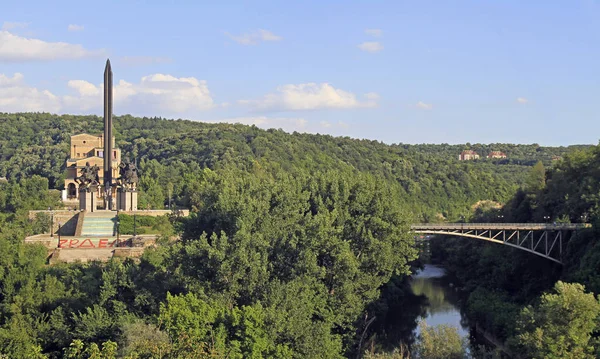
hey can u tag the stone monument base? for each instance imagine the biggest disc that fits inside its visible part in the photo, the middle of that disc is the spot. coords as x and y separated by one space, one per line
87 199
127 199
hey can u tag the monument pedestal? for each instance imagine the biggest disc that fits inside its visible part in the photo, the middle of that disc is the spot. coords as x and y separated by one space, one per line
86 200
127 199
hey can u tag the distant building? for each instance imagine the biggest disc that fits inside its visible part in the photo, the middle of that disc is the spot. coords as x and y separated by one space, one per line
496 154
88 149
556 158
467 155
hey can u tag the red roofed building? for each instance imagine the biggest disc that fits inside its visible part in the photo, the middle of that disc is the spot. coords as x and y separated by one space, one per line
496 154
467 155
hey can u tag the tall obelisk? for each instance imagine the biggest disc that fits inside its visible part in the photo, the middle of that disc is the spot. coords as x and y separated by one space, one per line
108 151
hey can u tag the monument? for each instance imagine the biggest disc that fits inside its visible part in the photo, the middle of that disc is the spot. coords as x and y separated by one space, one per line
108 108
127 192
89 185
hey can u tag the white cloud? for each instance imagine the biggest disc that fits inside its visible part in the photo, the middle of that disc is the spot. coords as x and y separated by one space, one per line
157 94
165 94
522 100
144 60
17 96
424 106
371 46
17 48
310 96
73 27
255 37
84 88
374 32
7 25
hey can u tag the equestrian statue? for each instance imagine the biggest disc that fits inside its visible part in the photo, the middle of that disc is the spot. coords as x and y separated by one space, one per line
128 175
89 176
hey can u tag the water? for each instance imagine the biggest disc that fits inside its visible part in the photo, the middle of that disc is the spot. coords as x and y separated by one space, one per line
442 302
425 296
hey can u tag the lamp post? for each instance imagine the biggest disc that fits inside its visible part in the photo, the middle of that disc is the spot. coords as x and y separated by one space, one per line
584 218
118 232
134 226
51 222
546 218
59 226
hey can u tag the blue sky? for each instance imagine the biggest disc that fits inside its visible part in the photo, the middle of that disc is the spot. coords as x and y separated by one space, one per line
397 71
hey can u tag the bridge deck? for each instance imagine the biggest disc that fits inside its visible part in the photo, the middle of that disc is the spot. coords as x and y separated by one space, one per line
498 226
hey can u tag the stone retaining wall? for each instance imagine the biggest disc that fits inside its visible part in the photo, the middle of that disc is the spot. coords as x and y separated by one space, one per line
67 219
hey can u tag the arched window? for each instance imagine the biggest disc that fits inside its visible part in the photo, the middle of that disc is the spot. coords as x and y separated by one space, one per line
71 190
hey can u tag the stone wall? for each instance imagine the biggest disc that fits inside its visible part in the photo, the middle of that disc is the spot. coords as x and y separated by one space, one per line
67 219
154 212
69 242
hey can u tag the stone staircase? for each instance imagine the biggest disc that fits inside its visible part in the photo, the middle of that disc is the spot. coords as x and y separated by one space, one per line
99 224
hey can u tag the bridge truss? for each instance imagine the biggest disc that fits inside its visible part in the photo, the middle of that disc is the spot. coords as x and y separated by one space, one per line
542 239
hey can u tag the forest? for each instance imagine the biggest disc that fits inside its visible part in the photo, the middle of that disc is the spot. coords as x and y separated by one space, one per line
293 241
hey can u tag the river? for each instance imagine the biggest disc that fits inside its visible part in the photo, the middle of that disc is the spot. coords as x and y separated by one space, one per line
428 295
442 301
442 306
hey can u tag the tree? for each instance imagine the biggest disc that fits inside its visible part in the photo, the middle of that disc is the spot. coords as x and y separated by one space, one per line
536 179
78 350
561 325
440 342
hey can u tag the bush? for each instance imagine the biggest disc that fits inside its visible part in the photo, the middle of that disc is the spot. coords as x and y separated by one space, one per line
440 342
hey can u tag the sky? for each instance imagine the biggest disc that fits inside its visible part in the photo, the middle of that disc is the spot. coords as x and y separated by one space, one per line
414 71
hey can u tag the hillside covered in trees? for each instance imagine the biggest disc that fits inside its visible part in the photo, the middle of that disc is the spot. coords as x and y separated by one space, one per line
501 281
290 240
431 178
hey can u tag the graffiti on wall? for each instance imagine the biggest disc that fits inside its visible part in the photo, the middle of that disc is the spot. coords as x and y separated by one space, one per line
87 243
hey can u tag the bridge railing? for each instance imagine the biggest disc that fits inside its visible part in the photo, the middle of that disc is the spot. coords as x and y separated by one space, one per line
498 226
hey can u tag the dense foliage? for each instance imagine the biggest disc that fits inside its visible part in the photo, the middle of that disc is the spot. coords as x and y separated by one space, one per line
269 266
290 240
502 282
172 154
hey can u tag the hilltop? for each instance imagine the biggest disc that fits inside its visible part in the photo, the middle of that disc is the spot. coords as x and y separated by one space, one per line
431 178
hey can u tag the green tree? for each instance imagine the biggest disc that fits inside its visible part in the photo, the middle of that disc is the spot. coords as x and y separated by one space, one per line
536 179
440 342
561 325
78 350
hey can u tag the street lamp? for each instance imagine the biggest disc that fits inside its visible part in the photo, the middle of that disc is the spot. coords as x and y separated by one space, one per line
59 225
118 232
584 218
547 218
51 222
134 225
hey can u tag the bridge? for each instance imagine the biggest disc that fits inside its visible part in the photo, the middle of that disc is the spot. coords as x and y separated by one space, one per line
542 239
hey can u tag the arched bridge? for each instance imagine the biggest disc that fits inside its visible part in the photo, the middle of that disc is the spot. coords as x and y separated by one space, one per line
543 239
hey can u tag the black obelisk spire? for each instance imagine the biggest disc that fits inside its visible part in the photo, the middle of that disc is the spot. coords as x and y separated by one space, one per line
108 151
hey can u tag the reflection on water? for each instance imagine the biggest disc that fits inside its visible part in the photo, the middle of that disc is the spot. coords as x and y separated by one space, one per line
442 306
405 302
427 295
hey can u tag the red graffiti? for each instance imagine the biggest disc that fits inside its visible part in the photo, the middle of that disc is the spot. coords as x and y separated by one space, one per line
87 243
